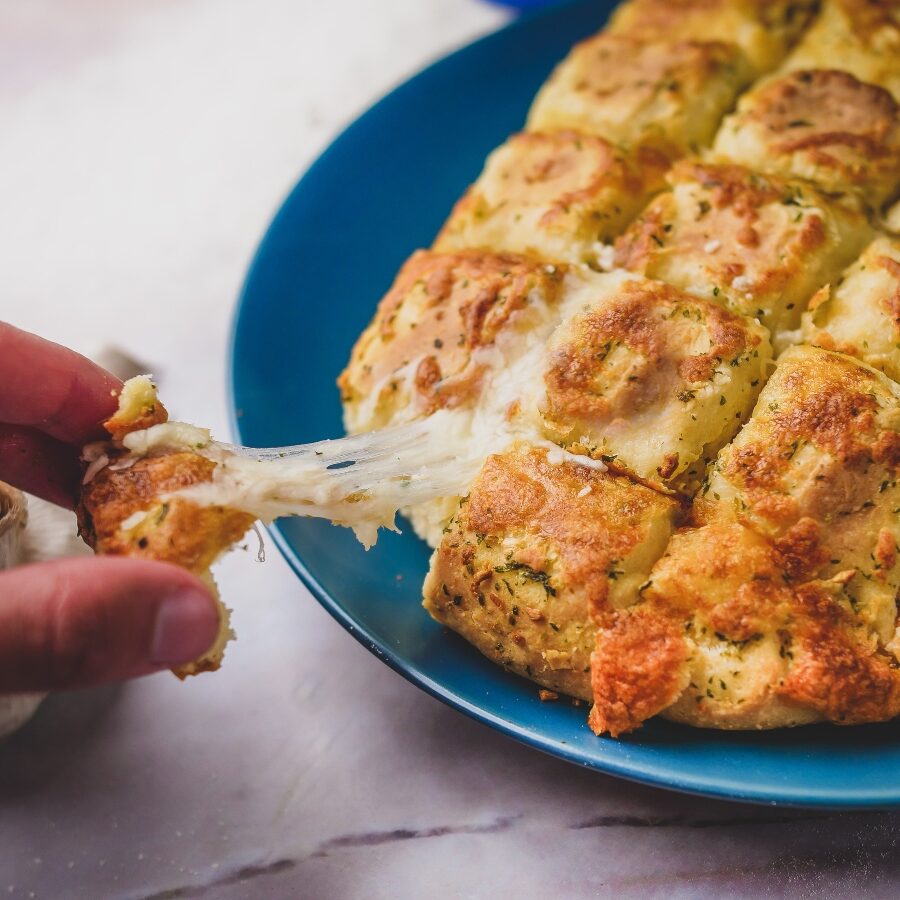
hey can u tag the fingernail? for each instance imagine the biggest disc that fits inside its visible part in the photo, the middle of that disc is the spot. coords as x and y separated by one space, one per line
186 626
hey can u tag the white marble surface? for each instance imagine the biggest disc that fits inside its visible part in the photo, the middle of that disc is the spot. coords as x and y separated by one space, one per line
143 147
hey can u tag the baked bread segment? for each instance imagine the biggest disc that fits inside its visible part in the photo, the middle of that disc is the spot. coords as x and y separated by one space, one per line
860 314
536 553
711 656
649 378
759 245
823 125
736 631
174 530
821 457
668 96
429 344
777 606
764 30
125 507
861 37
555 196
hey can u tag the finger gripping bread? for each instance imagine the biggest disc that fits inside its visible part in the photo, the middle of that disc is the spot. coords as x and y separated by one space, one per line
126 511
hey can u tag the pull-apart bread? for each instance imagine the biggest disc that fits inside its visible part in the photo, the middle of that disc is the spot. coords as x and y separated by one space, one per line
643 389
131 503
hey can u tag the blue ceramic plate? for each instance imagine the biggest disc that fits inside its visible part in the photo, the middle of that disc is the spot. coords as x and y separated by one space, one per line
381 190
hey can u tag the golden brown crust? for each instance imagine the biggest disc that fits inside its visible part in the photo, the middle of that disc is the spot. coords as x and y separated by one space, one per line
843 416
173 530
535 553
753 648
860 314
823 445
638 669
723 584
835 667
419 353
770 644
667 95
860 36
553 196
823 125
764 29
785 586
760 245
650 378
145 414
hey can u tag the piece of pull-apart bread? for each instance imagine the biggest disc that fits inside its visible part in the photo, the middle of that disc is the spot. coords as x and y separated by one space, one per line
763 29
650 379
559 197
859 314
824 125
540 550
861 37
126 509
759 245
664 96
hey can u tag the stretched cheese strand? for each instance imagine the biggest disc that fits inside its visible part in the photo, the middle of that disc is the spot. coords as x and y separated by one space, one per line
363 480
360 481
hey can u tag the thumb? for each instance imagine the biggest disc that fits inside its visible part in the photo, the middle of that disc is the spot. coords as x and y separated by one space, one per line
76 622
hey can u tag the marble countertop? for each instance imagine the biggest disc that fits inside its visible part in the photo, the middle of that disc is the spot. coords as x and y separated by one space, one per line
144 147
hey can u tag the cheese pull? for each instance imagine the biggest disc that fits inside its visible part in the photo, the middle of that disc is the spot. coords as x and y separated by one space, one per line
167 491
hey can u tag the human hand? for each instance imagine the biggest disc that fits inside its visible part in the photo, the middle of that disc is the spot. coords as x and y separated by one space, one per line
76 622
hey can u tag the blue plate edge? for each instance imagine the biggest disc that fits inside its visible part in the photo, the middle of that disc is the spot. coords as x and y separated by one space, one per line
695 786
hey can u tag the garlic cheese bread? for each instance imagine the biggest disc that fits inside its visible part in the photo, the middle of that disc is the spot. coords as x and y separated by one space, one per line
760 245
641 395
651 379
538 547
763 29
861 37
432 338
823 125
126 509
659 95
560 196
777 604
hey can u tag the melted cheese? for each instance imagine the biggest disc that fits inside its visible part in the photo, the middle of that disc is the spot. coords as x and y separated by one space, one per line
363 480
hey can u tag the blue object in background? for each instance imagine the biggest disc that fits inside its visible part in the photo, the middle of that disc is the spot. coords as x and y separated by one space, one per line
524 4
382 189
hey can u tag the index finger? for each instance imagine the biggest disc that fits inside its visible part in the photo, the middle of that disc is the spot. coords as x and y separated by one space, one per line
53 389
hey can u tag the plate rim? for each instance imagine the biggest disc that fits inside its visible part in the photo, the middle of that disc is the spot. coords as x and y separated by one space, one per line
658 775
